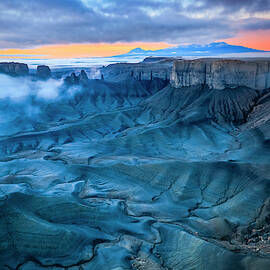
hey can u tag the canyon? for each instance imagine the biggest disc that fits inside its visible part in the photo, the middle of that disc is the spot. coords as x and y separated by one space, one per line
163 164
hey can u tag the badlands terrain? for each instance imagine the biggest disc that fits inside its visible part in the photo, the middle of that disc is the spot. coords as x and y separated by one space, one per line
162 164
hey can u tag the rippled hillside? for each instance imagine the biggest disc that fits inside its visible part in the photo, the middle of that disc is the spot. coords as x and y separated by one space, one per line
158 165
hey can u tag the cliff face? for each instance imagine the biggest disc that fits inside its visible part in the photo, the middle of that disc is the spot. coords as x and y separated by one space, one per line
82 78
43 72
220 74
139 71
214 73
14 68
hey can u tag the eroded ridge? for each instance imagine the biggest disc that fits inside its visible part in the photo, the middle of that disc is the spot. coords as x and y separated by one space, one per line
133 173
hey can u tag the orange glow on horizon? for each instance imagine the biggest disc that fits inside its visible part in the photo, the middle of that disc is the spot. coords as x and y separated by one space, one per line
259 39
82 50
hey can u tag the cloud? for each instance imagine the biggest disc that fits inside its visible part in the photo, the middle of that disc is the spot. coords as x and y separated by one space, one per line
257 24
38 22
18 89
250 6
48 89
13 88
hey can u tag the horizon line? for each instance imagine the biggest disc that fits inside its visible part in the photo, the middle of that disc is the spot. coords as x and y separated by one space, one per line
97 50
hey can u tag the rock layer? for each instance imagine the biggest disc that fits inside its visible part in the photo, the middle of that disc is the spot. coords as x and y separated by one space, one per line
148 70
43 72
212 73
221 73
13 68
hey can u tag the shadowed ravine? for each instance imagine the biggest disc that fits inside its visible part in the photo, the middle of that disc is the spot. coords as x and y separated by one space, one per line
130 172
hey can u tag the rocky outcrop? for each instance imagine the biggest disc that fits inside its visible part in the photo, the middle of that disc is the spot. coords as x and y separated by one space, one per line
213 73
14 69
43 72
220 73
152 59
147 70
82 78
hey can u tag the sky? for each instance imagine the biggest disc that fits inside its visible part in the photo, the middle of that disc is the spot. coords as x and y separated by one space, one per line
86 28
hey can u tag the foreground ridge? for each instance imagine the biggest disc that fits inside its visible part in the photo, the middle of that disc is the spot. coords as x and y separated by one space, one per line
162 164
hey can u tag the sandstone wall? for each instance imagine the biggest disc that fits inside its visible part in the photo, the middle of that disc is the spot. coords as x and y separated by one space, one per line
138 71
14 68
220 74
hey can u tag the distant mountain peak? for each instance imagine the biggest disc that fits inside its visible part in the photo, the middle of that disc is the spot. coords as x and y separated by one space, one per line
137 50
219 43
196 50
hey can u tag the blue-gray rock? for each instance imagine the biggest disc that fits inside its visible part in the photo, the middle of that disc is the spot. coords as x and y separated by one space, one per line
130 173
43 72
73 79
13 68
221 73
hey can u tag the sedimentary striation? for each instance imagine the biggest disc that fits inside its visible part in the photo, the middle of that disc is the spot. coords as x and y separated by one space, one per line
14 68
136 172
221 73
147 70
43 72
213 73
